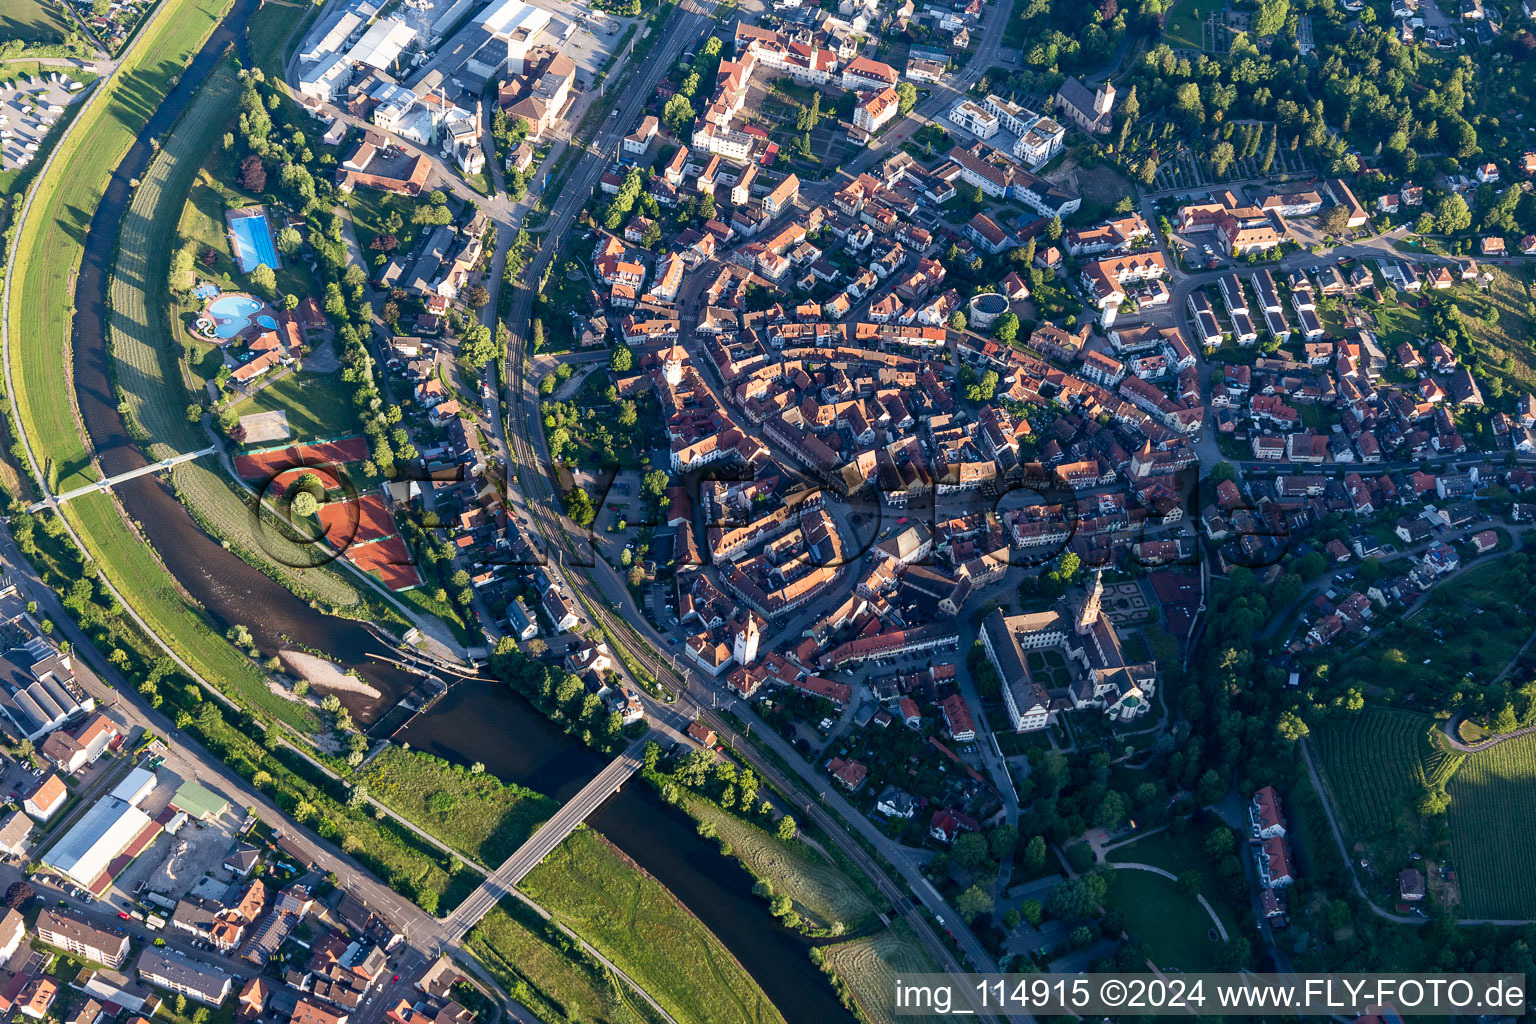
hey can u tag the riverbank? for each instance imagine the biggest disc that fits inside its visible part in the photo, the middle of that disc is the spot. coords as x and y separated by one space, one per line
543 970
827 898
471 811
637 923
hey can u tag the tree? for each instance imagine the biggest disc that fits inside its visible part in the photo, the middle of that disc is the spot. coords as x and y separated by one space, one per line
1270 17
1219 843
253 174
1007 328
906 98
1034 855
957 321
621 359
970 852
678 115
1452 215
1053 229
180 276
1290 727
972 903
787 829
18 895
288 240
477 297
1335 219
264 280
1002 841
654 485
304 505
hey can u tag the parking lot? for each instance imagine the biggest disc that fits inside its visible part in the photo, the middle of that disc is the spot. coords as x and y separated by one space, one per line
29 109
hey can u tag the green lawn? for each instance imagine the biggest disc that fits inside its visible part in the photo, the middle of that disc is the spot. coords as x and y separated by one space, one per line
40 321
271 27
33 21
635 922
868 967
203 225
1185 21
1175 928
371 211
478 815
820 889
148 589
556 983
1511 337
319 405
1178 853
1408 657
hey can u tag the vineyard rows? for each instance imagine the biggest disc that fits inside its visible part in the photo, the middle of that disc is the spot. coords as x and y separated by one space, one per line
1377 764
1493 817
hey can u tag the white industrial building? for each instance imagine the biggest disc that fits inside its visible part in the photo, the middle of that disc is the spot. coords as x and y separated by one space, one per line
517 24
384 41
104 831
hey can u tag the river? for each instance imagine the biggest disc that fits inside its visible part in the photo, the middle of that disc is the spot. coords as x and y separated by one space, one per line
472 724
474 721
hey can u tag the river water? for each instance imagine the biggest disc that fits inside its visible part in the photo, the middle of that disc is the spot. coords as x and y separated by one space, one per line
474 721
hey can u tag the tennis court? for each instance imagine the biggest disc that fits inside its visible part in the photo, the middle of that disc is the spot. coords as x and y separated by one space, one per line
251 238
356 522
265 465
389 560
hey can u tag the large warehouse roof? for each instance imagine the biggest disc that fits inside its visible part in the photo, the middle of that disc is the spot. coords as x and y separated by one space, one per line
508 16
100 835
382 43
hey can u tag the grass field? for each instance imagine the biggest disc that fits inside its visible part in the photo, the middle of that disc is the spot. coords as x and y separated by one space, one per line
202 224
635 922
50 246
821 891
33 21
1512 335
1175 928
1178 853
318 405
1409 657
868 969
478 815
1376 765
1185 22
1493 802
556 983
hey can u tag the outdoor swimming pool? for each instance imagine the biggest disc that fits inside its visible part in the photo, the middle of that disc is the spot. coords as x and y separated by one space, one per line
232 314
253 241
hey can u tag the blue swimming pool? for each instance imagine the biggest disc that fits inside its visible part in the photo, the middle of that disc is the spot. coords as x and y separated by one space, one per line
232 314
270 323
253 242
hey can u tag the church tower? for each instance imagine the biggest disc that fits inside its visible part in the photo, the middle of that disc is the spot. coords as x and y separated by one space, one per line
744 648
1104 98
1089 614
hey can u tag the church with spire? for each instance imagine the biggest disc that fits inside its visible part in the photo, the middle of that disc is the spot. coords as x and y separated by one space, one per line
1064 660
